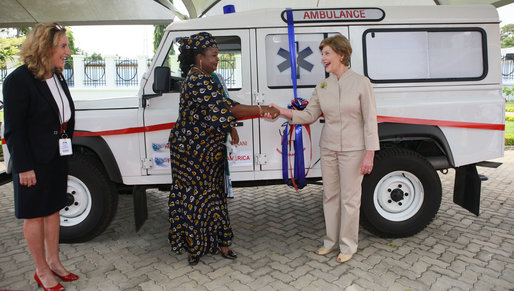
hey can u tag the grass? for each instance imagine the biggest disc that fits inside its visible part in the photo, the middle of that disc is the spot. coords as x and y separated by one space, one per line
509 124
509 107
509 133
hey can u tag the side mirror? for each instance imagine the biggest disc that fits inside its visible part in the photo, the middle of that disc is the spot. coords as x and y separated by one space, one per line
161 80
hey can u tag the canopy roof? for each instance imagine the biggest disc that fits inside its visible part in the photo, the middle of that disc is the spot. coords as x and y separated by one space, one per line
22 13
495 3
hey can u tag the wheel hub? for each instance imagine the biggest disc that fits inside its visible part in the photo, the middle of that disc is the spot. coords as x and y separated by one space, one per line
69 199
397 195
78 203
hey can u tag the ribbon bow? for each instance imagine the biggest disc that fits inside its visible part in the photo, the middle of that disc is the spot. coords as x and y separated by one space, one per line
298 177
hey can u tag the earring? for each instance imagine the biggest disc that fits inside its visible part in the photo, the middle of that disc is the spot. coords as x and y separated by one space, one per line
201 67
342 60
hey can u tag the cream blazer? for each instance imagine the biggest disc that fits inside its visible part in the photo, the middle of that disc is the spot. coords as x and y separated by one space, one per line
349 108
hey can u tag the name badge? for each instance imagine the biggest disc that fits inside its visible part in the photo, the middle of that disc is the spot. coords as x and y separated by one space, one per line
65 148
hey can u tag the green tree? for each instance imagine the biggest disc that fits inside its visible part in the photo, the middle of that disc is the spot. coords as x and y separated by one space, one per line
95 57
507 36
5 54
158 32
22 31
9 47
71 42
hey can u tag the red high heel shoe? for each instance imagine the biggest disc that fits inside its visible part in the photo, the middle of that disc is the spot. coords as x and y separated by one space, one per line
67 278
57 287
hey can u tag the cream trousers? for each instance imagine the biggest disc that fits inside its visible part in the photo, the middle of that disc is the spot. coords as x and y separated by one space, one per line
341 198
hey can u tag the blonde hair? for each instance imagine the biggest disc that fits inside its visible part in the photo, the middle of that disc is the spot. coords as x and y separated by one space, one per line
37 50
341 45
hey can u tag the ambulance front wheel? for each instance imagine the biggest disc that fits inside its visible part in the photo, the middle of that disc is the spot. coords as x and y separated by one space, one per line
402 194
91 200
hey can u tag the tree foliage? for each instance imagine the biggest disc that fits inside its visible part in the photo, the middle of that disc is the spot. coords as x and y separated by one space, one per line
95 57
71 42
508 91
158 32
507 36
9 47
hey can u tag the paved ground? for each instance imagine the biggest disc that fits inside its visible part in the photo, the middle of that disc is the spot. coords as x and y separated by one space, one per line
277 231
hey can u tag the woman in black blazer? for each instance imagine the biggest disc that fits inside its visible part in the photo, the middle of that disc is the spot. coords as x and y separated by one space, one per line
39 122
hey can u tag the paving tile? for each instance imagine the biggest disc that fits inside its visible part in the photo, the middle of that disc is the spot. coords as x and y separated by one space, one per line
276 233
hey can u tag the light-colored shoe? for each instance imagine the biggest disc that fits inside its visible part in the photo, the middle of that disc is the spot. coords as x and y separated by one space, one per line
323 251
343 258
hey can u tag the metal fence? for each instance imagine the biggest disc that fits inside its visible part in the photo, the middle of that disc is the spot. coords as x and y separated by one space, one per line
68 72
94 73
225 68
3 74
507 69
126 72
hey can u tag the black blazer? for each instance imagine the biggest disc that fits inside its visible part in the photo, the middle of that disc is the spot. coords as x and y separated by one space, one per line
31 116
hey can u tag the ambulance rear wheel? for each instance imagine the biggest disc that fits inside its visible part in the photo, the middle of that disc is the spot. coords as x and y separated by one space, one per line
402 194
91 200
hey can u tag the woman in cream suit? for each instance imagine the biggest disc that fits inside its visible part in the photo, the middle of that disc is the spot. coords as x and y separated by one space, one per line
348 143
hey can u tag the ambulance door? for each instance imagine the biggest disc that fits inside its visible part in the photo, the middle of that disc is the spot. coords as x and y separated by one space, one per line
162 111
275 86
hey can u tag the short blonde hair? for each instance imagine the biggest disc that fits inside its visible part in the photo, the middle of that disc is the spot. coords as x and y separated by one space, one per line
37 50
341 45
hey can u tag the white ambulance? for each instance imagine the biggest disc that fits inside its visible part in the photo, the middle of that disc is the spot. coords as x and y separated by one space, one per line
437 81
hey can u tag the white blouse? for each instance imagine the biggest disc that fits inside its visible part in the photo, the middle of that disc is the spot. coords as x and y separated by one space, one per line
60 98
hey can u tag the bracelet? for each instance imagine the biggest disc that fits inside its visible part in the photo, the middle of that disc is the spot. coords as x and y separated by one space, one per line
260 109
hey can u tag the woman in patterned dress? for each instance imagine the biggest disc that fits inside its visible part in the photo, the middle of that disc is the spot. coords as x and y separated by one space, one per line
198 211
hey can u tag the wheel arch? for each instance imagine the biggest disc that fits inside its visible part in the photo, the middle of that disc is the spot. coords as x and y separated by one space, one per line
98 146
416 137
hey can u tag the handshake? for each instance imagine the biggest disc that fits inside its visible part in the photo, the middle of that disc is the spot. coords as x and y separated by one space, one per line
272 111
268 111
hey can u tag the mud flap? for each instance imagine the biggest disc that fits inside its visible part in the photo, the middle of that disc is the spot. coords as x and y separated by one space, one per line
5 178
466 191
140 208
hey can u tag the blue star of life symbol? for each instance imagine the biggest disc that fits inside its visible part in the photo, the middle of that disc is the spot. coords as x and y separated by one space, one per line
300 60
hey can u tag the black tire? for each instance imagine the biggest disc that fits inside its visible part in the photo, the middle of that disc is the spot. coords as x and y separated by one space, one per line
402 194
92 200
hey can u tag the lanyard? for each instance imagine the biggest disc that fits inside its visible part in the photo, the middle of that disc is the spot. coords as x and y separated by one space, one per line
220 82
61 119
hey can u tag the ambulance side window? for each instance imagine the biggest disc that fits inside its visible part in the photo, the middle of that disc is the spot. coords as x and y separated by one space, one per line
171 60
229 65
425 55
309 70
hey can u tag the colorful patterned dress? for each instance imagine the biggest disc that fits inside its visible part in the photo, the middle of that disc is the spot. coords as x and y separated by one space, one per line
198 211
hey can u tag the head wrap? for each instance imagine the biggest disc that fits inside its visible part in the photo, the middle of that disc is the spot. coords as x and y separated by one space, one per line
201 40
